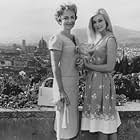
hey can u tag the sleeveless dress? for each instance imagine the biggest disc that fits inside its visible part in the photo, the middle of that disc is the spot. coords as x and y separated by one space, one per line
99 112
70 84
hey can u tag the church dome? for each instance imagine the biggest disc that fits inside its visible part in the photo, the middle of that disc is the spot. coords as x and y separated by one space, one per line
42 43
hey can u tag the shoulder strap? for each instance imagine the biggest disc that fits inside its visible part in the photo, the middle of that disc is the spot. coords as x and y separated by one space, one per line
110 36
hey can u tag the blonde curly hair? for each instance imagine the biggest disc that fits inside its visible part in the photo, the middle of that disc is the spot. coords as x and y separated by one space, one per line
65 6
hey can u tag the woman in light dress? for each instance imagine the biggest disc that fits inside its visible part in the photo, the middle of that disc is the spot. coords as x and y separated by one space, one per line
65 85
99 112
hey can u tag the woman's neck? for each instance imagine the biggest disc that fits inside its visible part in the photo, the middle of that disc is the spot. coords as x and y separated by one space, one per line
104 33
101 35
66 32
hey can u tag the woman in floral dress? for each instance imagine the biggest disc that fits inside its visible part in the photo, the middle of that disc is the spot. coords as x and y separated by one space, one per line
99 112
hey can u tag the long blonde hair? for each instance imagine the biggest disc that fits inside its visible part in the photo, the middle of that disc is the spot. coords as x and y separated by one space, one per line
93 36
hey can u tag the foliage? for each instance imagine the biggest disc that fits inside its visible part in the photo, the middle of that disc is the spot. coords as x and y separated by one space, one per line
22 91
121 99
128 85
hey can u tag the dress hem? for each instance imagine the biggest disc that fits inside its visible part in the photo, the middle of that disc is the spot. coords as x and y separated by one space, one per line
102 131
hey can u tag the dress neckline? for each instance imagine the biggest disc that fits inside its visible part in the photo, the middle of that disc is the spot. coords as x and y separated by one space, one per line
102 39
68 38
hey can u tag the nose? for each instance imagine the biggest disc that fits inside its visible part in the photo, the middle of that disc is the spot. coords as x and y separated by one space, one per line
97 24
70 20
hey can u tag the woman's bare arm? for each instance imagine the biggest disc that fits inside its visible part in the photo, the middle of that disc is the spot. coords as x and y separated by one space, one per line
55 62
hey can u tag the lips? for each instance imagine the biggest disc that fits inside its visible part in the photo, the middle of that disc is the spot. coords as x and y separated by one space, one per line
99 28
70 24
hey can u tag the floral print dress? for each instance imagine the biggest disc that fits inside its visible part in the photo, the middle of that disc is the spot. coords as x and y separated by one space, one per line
99 112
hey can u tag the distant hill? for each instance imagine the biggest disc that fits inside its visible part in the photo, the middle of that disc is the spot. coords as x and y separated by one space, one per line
123 35
126 35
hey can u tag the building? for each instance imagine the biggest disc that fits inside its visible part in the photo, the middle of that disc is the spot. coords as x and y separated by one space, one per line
42 48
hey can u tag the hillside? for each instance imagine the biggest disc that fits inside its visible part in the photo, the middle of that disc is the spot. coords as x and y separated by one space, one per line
126 35
123 35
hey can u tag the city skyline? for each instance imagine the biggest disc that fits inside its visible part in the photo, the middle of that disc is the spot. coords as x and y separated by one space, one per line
33 19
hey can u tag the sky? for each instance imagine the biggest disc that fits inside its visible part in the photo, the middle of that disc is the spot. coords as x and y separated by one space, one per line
33 19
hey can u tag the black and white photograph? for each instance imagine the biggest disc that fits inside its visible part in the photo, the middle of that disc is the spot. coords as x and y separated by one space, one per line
69 70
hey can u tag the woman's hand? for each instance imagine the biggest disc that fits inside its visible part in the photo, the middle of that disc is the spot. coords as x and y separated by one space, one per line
64 98
77 50
86 62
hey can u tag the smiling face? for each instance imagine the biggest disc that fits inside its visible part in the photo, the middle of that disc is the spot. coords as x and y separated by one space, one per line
68 20
99 23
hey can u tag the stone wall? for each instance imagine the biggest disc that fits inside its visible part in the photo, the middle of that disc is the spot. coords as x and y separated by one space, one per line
37 124
26 125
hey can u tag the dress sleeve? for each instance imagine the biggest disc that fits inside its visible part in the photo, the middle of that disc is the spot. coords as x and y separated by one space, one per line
55 43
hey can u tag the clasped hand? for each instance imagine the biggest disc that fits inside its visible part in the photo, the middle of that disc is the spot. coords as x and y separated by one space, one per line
64 99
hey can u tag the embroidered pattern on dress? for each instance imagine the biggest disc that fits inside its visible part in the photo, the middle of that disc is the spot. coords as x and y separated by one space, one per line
99 101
